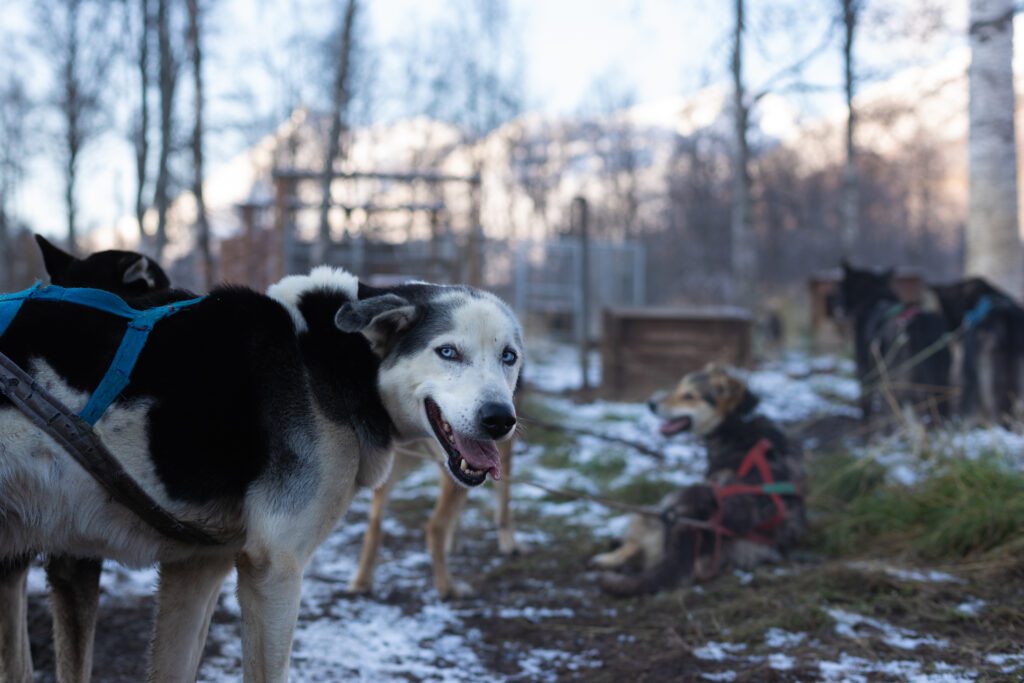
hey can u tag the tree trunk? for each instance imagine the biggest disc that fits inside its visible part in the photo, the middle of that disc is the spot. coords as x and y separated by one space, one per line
202 221
168 78
142 133
851 180
993 238
72 123
744 257
338 115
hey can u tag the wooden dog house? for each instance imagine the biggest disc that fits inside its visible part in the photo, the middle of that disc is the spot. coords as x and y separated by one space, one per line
646 349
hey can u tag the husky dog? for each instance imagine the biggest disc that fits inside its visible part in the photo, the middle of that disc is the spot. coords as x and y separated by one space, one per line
899 347
74 582
989 368
125 273
716 406
258 416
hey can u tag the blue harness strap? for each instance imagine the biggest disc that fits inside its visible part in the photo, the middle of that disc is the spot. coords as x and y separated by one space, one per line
140 324
974 316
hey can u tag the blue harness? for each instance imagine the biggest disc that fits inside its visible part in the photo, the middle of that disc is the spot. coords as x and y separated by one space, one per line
976 315
140 324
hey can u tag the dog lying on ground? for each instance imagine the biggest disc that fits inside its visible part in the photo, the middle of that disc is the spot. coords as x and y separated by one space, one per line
443 524
899 348
989 365
745 452
74 582
257 415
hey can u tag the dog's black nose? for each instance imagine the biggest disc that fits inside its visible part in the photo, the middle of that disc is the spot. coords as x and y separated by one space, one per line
498 419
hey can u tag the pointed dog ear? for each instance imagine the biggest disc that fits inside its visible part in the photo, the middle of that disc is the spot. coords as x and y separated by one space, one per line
381 319
749 402
138 270
55 260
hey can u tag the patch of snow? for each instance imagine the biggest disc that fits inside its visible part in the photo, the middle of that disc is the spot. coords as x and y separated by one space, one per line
918 575
719 676
776 638
780 661
849 625
555 368
1007 663
850 669
532 613
745 578
718 652
789 392
971 608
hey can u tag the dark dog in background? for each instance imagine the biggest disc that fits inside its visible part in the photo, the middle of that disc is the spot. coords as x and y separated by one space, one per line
989 366
745 451
125 273
899 347
74 582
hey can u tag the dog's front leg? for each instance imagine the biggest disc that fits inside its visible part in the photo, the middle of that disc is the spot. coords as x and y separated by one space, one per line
185 601
268 592
74 595
15 655
503 513
445 514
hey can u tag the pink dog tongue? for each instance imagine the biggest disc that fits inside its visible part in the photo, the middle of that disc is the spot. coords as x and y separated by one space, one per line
480 455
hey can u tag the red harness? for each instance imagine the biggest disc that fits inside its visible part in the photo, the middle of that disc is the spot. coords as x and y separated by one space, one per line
755 458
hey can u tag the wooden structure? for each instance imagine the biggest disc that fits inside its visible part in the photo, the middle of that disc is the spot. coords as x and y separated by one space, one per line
826 333
646 349
269 247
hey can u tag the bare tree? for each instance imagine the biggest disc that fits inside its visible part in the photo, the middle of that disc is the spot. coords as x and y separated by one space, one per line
167 81
851 195
73 36
140 132
744 257
202 220
993 240
341 96
15 109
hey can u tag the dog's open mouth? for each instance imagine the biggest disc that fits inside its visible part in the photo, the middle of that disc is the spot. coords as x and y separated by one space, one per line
469 460
676 425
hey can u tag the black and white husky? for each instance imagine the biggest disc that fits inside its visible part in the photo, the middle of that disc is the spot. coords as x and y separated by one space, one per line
258 415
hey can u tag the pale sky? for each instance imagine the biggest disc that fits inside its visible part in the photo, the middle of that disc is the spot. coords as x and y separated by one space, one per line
654 49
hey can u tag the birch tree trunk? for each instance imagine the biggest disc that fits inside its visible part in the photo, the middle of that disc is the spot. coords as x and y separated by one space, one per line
993 238
340 100
202 220
744 255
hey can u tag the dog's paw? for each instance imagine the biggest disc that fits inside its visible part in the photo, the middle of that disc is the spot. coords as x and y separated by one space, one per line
507 544
357 587
620 585
456 590
603 561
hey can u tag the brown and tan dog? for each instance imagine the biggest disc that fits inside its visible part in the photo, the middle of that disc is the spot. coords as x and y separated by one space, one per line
745 452
444 521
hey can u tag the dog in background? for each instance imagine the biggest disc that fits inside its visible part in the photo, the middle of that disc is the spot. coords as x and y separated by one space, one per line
74 581
125 273
989 363
899 347
443 526
745 452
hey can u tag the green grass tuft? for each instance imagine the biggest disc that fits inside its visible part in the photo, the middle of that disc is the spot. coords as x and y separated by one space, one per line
964 508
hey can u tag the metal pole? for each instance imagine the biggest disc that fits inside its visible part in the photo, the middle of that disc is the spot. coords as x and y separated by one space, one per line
580 220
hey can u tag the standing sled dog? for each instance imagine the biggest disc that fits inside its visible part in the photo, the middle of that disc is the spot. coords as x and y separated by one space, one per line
257 416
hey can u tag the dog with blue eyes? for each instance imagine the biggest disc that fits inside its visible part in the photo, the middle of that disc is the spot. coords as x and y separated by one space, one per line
461 468
748 510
